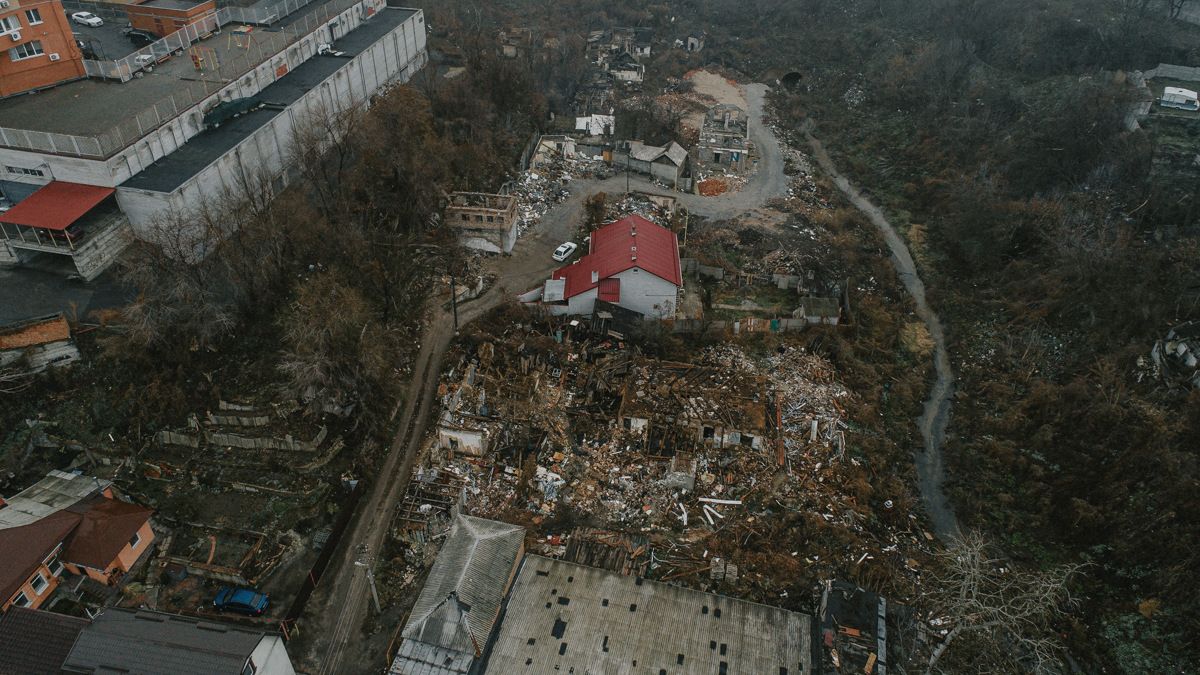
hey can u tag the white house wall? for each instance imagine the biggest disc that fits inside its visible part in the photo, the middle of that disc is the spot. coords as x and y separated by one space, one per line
395 57
271 658
646 293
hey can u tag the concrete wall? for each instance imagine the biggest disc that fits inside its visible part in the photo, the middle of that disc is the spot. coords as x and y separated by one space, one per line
466 441
395 57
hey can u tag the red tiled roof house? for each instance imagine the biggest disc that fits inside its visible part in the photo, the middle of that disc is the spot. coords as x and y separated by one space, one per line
632 263
66 522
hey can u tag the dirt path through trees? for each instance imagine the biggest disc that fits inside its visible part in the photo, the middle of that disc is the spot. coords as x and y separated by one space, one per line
930 470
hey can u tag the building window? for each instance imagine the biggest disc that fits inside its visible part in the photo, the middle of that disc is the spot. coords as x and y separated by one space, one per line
21 600
38 583
21 171
55 565
137 539
26 51
33 16
9 24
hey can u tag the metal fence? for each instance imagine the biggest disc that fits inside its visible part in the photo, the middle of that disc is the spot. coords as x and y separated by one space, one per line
264 45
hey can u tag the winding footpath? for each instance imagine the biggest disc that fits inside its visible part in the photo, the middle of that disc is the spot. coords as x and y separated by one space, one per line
931 472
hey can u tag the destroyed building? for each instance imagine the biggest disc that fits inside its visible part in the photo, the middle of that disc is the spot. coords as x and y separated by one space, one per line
563 617
684 406
632 263
853 627
627 68
452 622
724 139
669 164
603 45
551 148
485 222
40 343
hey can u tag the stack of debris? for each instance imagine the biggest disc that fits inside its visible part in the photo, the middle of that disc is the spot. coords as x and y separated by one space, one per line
1176 359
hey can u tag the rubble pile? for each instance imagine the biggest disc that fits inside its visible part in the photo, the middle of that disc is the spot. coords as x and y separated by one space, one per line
736 471
638 204
536 193
1175 360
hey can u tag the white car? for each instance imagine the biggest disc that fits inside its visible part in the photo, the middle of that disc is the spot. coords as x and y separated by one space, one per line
563 252
87 19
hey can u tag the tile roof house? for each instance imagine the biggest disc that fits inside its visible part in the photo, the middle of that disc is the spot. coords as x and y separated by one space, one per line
669 164
135 642
454 617
66 522
34 642
632 263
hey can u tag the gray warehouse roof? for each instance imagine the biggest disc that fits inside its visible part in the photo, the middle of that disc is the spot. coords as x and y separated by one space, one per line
561 616
145 643
172 171
454 615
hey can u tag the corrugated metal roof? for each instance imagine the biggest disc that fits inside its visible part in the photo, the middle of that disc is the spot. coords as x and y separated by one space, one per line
55 492
457 609
143 642
602 622
628 243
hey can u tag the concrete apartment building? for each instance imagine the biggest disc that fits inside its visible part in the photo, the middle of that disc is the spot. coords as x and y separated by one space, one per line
37 49
131 143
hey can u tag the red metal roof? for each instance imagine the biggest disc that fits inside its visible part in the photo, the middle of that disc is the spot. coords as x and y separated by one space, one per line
628 243
56 205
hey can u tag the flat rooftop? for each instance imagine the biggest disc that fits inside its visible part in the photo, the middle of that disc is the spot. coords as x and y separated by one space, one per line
562 616
203 149
93 107
171 4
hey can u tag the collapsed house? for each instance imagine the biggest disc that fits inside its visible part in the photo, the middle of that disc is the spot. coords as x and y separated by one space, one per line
627 68
41 343
668 164
603 45
853 626
632 263
485 222
684 406
596 125
452 622
552 147
724 138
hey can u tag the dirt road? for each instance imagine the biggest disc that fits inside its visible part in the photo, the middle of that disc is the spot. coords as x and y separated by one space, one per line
930 471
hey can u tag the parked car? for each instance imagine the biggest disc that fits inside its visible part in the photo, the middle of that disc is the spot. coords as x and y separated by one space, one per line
87 19
231 109
73 234
241 600
563 252
140 38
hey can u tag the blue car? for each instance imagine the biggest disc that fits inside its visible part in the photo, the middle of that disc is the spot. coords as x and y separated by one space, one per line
241 600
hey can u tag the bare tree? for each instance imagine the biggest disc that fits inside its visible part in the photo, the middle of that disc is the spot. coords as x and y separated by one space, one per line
1000 617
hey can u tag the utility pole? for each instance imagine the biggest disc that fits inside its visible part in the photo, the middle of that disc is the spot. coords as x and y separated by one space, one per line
454 302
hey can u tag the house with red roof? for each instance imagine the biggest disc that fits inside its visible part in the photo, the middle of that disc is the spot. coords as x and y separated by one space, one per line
632 263
66 522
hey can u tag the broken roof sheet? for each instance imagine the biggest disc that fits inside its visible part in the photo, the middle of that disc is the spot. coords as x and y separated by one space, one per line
57 491
461 599
561 616
628 243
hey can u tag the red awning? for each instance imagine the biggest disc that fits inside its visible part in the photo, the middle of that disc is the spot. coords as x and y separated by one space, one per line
55 206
